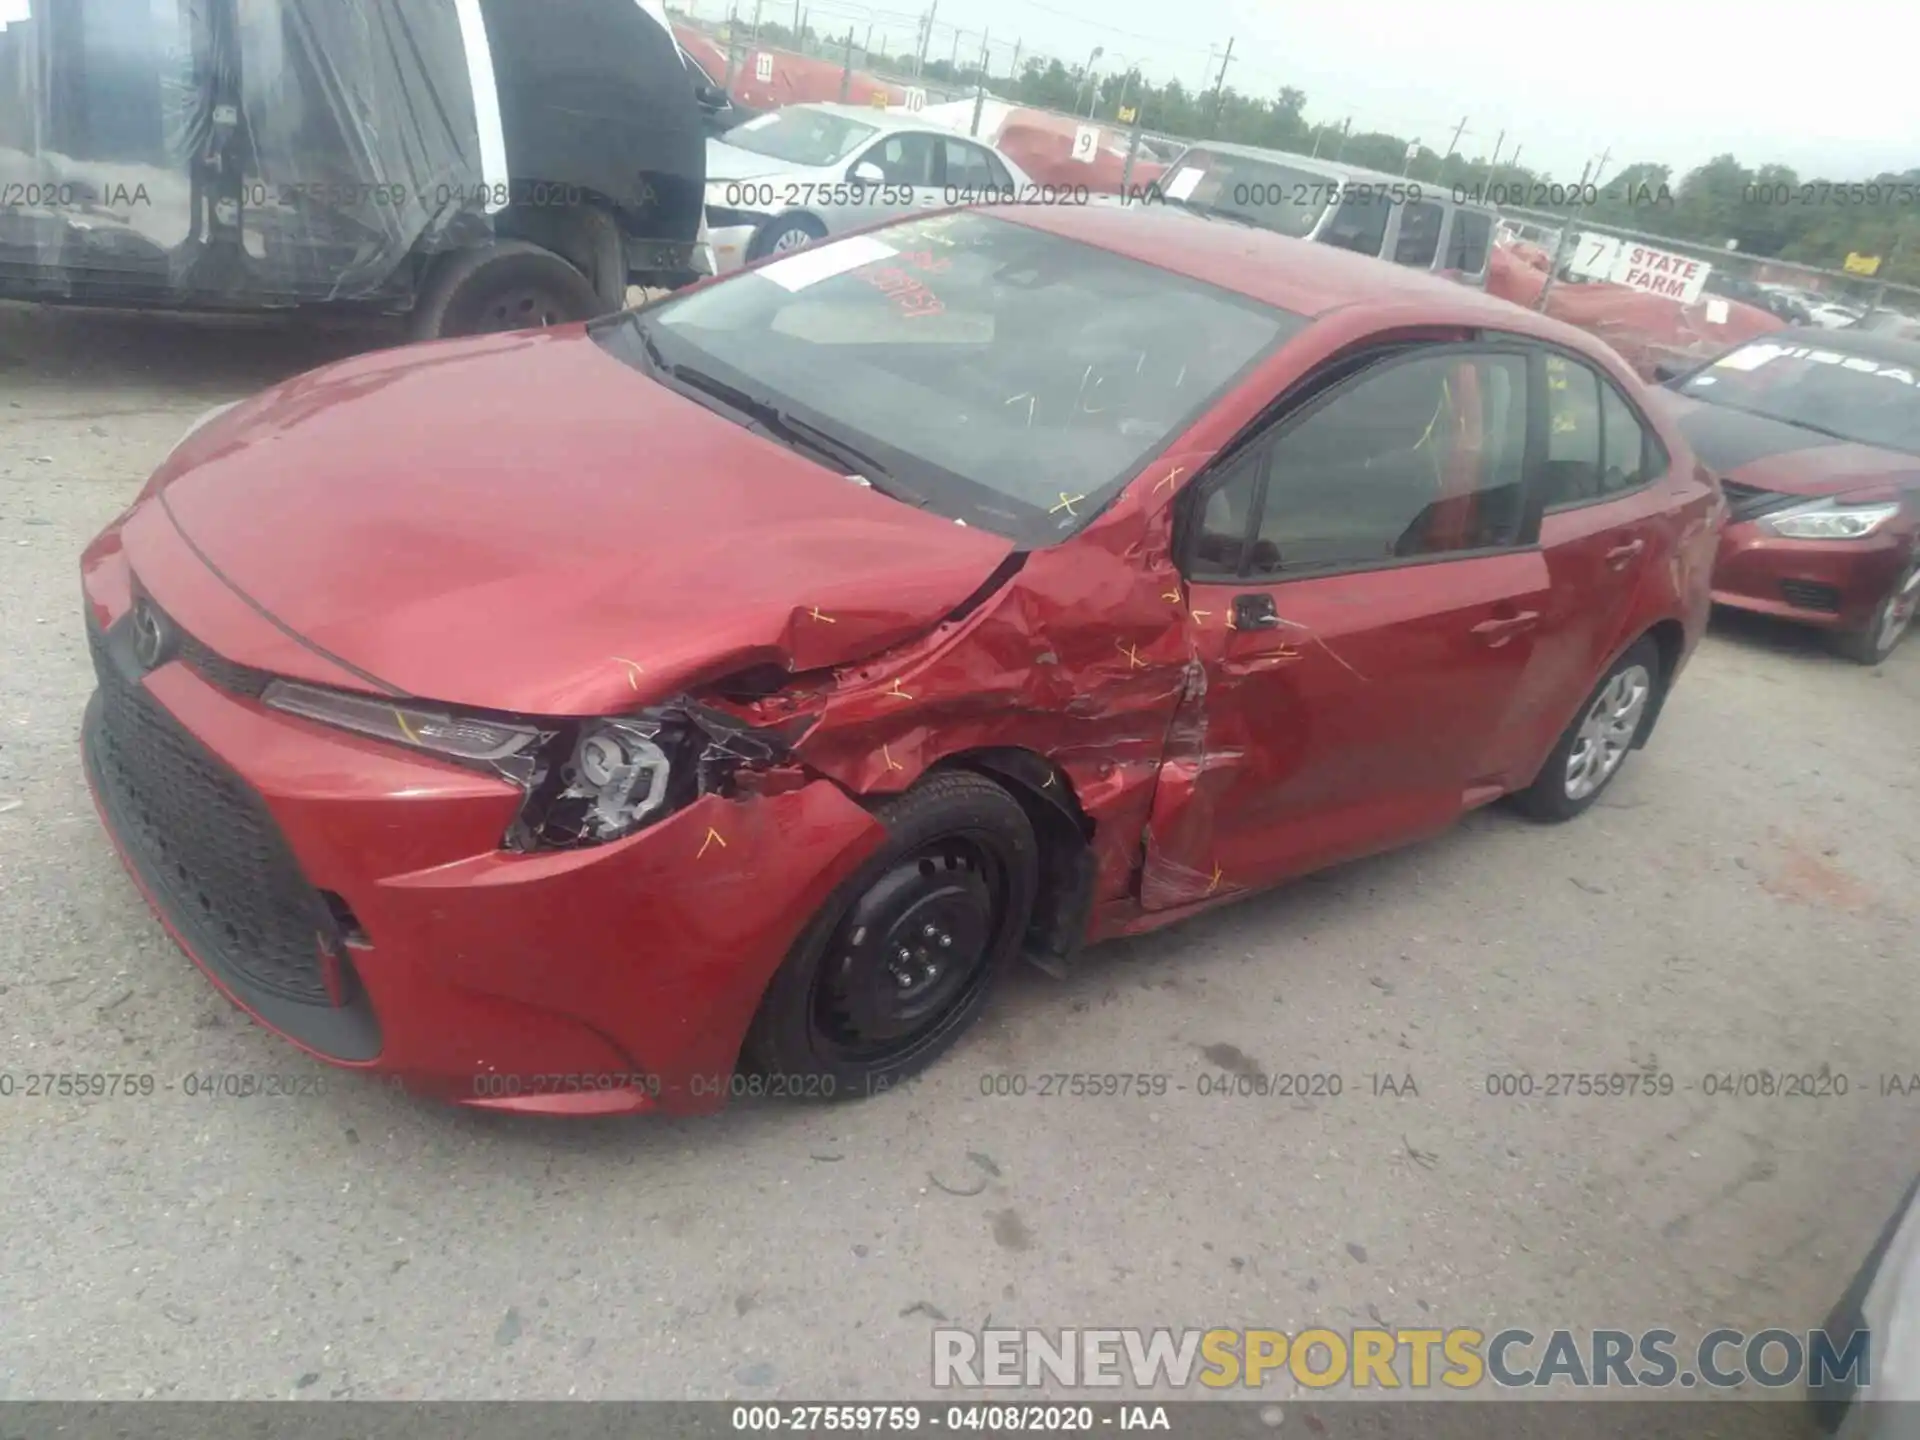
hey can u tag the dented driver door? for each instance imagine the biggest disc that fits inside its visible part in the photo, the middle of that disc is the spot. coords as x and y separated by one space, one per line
1364 585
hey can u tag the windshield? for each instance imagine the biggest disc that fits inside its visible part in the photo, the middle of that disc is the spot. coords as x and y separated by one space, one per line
999 375
1274 197
801 136
1854 397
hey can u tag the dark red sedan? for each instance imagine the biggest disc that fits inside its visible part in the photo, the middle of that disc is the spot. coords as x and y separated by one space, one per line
717 698
1815 435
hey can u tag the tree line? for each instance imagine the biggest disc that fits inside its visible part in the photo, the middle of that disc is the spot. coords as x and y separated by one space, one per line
1768 211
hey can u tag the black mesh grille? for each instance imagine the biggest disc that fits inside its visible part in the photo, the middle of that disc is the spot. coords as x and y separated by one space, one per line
204 842
1810 596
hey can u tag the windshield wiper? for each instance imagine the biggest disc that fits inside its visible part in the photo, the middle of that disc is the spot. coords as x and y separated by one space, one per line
788 427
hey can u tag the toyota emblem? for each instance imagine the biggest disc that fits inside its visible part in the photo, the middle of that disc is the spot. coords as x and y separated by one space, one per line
151 639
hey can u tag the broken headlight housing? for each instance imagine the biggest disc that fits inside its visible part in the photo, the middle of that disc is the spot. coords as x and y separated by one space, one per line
586 782
604 778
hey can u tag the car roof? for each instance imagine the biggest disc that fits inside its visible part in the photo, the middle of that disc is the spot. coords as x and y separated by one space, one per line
1333 169
885 121
1867 344
1304 277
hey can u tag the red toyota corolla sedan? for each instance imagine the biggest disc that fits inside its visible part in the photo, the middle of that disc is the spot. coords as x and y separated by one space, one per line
717 698
1815 435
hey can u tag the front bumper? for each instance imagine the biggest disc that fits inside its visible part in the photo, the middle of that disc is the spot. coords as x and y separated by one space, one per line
730 243
354 898
1834 584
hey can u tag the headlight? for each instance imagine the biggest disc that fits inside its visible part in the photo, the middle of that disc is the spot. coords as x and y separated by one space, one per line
1826 520
585 782
459 737
214 414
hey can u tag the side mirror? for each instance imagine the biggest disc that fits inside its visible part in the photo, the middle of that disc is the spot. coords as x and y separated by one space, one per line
1667 371
868 173
712 96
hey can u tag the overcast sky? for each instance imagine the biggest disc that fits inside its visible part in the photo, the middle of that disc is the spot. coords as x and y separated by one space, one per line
1677 82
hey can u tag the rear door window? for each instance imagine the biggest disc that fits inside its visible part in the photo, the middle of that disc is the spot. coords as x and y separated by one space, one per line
1467 241
1360 224
1419 239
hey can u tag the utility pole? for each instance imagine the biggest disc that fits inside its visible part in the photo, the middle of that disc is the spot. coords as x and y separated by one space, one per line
953 60
1220 88
980 86
755 41
926 38
1346 128
797 31
866 49
846 69
733 45
1566 239
1013 70
1493 163
1600 169
1452 145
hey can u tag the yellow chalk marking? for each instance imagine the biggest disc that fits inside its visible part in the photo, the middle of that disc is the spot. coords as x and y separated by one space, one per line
1067 502
1201 614
892 764
1047 784
1214 884
1166 481
823 619
897 693
634 670
712 836
406 729
1172 597
1133 656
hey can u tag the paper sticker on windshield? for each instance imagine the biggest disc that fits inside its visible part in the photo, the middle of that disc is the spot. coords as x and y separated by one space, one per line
1717 312
1183 184
1751 357
810 267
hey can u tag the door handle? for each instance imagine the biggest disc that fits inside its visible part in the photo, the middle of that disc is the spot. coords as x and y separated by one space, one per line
1496 633
1255 612
1620 556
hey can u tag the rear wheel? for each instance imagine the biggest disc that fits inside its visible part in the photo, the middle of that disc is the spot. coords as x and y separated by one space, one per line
1594 747
505 285
904 956
1890 623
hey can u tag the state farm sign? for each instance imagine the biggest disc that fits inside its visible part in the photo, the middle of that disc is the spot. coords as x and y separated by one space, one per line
1659 272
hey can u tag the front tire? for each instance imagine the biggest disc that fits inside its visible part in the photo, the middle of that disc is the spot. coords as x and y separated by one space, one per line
905 955
1891 620
786 234
1595 745
502 286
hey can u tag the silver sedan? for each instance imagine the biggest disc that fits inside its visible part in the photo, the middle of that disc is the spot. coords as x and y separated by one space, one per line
782 181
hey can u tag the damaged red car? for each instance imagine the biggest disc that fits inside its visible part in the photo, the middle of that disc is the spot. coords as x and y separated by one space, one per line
717 698
1815 435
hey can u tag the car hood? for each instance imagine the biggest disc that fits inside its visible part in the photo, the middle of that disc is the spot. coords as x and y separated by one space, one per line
1773 455
524 523
729 162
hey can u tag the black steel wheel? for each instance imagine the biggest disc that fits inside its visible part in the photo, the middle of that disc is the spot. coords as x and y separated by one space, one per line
905 955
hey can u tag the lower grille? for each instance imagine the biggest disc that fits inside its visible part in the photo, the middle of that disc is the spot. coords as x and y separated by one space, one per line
204 842
1810 596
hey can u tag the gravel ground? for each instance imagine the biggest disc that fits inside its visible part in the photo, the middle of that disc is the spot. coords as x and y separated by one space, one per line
1743 900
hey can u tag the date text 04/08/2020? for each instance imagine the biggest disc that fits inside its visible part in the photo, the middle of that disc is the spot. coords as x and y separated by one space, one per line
986 1416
